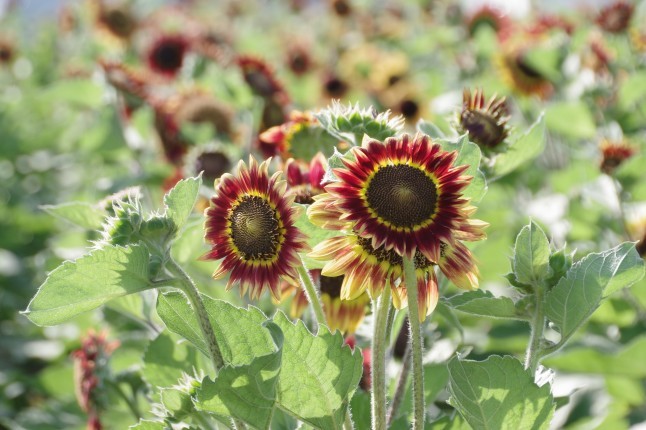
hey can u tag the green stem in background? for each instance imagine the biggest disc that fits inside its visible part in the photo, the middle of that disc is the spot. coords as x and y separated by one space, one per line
189 288
348 424
410 280
398 397
131 402
312 295
534 351
390 321
378 362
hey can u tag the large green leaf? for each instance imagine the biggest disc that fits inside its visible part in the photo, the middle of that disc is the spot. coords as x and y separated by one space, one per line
319 374
239 332
626 361
499 393
522 149
468 154
483 303
246 392
148 425
78 286
166 360
78 213
531 255
571 119
180 200
571 302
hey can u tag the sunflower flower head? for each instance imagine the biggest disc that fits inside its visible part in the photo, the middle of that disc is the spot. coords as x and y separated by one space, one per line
613 155
342 315
260 77
306 182
489 16
615 18
115 19
402 197
278 139
7 52
166 53
485 121
520 75
250 227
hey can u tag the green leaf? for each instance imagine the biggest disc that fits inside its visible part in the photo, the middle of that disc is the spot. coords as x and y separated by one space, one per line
498 394
531 255
483 303
79 286
626 361
571 119
81 92
308 141
177 402
315 235
239 331
148 425
82 214
579 293
246 392
430 129
180 200
469 154
632 90
319 374
524 148
166 360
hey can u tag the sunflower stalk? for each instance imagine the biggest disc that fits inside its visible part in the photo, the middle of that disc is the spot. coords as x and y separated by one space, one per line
378 365
402 382
188 287
312 295
534 348
416 341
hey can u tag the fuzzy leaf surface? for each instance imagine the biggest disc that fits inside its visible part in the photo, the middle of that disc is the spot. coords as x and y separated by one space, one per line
498 393
82 214
578 294
318 376
86 283
531 255
526 147
484 303
180 200
246 392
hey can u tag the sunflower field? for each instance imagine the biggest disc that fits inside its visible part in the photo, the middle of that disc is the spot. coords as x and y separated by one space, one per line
322 214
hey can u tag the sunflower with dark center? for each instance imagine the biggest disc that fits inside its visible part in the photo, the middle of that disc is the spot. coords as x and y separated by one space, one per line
117 19
521 76
403 194
6 52
614 154
334 87
488 16
305 182
615 18
485 121
250 225
166 54
261 78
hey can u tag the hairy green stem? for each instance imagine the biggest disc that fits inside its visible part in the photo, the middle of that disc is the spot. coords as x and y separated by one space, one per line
189 288
534 351
390 321
416 341
378 361
401 384
348 424
312 295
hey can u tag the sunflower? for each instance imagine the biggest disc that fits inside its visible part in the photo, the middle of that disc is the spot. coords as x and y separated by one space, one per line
261 78
305 183
277 139
486 123
115 19
521 76
166 53
7 52
615 18
342 315
334 87
250 225
489 16
403 194
613 154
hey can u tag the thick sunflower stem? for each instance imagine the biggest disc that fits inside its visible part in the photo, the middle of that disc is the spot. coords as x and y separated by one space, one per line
378 362
534 351
312 296
410 280
189 288
398 397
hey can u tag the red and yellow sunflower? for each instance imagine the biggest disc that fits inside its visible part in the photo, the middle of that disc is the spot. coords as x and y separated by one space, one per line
613 154
250 226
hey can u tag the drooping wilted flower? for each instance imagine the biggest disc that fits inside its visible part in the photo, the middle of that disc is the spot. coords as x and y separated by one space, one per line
250 226
485 121
615 18
166 53
90 371
613 154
